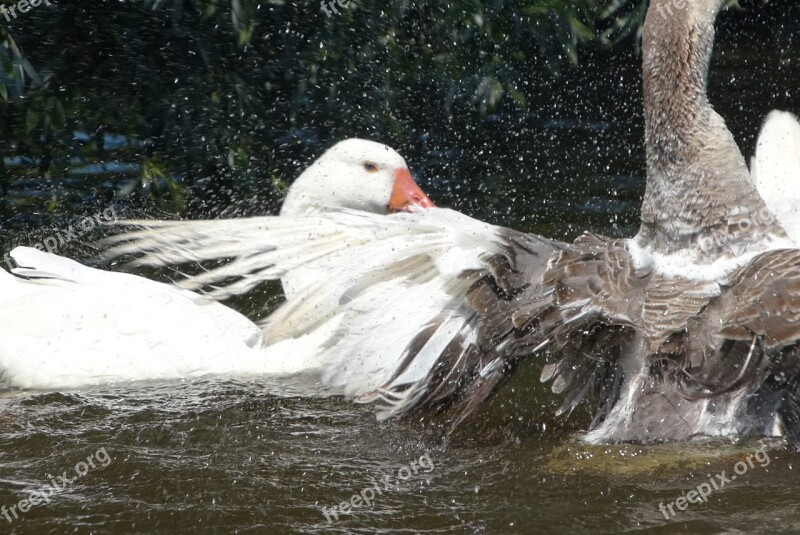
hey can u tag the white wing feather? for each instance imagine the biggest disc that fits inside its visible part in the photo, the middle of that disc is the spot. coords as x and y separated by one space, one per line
372 283
775 169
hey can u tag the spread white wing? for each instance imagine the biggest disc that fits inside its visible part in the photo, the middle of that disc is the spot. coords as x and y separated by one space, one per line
389 292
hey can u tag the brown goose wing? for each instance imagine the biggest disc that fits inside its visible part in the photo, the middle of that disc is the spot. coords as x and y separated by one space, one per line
485 352
582 302
748 337
598 306
764 300
586 304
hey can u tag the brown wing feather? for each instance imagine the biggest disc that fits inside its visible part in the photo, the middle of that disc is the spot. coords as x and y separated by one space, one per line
581 302
587 304
478 361
755 323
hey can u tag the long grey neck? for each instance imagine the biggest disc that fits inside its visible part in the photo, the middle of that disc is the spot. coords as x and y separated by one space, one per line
699 195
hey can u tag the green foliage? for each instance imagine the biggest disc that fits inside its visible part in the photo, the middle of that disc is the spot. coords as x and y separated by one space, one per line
212 87
161 186
16 72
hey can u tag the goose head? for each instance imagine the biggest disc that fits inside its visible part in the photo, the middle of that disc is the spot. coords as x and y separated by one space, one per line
356 174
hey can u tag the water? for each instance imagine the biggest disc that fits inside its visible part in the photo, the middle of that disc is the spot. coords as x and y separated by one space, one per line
263 457
266 455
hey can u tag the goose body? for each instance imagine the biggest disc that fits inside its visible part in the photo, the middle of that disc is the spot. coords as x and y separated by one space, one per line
65 325
70 325
699 319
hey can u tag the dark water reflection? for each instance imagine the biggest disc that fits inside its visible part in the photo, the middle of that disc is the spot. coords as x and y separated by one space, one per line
232 457
266 456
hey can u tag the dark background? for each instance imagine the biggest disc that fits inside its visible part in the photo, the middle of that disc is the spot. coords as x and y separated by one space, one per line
525 113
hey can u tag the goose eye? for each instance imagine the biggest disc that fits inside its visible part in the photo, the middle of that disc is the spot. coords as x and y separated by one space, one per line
371 167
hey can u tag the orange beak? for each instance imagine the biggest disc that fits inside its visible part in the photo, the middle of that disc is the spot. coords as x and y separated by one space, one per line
406 193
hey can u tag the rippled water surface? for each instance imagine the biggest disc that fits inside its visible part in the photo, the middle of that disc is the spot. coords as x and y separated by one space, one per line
266 455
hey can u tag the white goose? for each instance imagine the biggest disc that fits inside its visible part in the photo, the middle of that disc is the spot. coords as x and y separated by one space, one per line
354 174
64 325
392 297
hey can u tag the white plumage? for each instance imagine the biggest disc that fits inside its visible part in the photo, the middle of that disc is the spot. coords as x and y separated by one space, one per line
387 279
353 274
65 324
775 169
